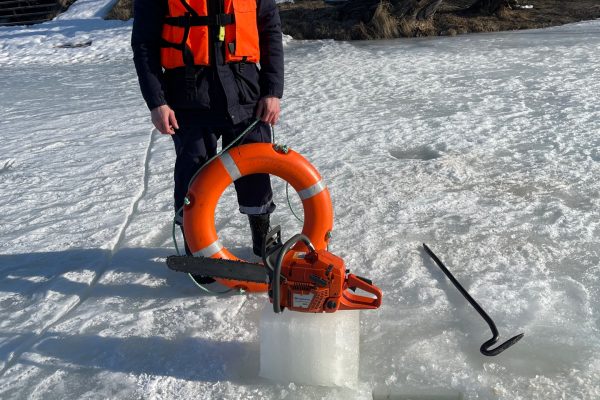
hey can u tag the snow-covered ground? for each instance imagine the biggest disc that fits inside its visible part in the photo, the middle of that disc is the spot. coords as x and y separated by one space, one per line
486 147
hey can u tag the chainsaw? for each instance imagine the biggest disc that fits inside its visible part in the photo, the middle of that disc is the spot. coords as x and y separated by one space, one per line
299 277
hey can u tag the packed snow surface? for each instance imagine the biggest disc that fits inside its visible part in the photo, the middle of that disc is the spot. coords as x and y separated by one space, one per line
485 147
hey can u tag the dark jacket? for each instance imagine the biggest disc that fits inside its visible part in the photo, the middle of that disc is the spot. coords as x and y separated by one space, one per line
228 91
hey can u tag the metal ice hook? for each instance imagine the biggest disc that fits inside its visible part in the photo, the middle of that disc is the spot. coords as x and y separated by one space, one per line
485 348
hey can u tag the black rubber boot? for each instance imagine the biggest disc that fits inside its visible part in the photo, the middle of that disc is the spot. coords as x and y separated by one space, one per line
202 280
259 226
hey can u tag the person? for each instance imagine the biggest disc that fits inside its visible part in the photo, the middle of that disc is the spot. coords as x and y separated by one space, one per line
207 69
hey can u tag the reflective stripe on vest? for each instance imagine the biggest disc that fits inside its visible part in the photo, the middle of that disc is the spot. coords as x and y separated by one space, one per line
186 33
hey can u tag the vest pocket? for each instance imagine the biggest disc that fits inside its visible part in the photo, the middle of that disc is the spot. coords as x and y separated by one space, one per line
246 31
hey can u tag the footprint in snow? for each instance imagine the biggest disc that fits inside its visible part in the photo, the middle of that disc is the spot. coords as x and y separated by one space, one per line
423 153
7 166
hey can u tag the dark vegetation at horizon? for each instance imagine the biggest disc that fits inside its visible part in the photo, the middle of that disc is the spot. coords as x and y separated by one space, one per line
377 19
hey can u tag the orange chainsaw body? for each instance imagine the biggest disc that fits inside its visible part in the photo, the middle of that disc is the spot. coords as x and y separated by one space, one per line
316 281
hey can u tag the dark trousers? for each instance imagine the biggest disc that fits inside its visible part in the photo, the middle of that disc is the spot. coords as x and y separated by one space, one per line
195 143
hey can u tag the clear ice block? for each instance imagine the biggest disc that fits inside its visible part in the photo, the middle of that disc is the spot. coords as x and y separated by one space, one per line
314 349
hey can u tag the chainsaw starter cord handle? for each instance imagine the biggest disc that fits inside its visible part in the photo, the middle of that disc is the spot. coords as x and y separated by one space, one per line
276 284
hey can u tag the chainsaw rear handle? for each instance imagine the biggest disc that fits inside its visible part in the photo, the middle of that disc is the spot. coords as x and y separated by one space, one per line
351 301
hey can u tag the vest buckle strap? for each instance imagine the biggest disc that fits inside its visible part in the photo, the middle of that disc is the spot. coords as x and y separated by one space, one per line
196 20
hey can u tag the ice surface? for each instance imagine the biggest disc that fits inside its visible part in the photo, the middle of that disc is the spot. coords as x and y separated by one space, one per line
485 147
315 349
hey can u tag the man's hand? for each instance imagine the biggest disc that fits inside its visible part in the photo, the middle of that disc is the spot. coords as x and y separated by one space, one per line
268 109
164 119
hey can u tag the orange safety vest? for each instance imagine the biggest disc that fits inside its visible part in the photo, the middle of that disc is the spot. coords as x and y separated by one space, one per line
186 33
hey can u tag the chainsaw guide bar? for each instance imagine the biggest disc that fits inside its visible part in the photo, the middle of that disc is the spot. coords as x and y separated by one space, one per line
219 268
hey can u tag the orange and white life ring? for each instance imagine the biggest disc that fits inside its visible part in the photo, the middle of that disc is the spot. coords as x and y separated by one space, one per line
204 194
